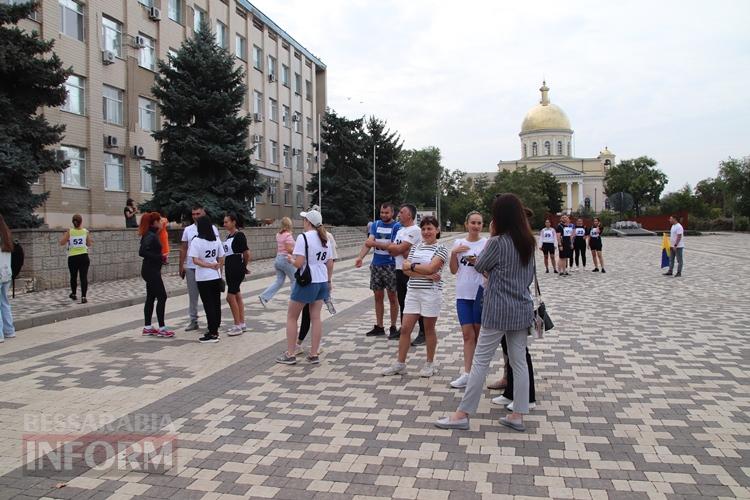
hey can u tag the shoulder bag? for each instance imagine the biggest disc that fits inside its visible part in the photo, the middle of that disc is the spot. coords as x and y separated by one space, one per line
542 321
303 278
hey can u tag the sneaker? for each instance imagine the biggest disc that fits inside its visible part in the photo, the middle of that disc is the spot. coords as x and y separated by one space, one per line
2 339
286 359
313 360
547 271
192 326
263 301
461 381
234 331
209 339
244 327
501 400
420 340
83 300
678 275
603 270
395 333
73 296
509 406
167 333
376 331
596 270
396 369
447 423
516 426
9 335
428 370
668 273
149 330
555 270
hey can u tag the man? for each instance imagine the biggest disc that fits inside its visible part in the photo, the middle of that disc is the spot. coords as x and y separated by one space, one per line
407 235
565 244
677 245
382 268
187 267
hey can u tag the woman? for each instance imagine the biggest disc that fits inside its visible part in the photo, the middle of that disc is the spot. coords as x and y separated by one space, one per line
78 241
469 289
311 250
508 311
581 233
424 295
595 245
284 269
236 260
130 212
207 253
152 254
547 240
6 276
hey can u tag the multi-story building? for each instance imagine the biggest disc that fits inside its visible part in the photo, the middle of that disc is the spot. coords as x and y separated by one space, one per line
110 112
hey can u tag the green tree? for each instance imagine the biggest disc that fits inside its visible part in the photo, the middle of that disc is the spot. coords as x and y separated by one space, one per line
549 186
461 195
735 174
30 77
683 200
389 162
525 185
423 173
204 153
711 192
640 178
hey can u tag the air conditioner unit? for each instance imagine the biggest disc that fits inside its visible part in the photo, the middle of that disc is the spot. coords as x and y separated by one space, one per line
257 117
138 152
110 141
271 77
256 138
154 14
296 117
295 152
139 42
108 57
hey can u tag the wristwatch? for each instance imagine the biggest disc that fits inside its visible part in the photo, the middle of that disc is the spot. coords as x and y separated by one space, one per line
413 266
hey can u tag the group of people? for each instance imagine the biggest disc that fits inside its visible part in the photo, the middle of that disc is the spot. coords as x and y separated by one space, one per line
570 240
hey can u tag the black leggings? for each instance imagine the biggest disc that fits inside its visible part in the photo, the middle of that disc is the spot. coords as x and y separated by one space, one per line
79 264
509 386
155 291
402 281
210 292
580 249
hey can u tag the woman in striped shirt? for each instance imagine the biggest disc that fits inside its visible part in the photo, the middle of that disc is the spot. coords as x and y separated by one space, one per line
424 295
508 260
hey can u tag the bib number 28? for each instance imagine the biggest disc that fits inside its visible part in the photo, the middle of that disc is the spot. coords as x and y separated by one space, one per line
210 253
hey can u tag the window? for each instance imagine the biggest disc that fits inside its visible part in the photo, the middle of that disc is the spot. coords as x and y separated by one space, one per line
534 149
112 34
257 102
147 114
240 47
309 126
199 17
568 149
274 109
173 54
257 58
71 19
112 105
524 151
285 75
273 186
308 90
274 152
587 203
287 194
298 84
147 53
75 174
300 197
287 157
309 161
174 11
34 16
547 147
607 206
262 183
147 3
258 149
221 34
559 148
272 66
147 180
297 154
75 102
114 172
285 115
297 121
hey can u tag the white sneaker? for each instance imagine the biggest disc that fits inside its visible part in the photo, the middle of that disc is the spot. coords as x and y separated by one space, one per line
501 400
396 369
428 370
244 327
461 381
509 407
234 331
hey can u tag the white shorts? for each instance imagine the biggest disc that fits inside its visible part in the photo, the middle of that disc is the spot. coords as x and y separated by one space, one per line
425 302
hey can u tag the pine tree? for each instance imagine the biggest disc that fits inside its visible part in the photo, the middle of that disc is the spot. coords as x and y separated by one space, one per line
389 162
29 80
204 153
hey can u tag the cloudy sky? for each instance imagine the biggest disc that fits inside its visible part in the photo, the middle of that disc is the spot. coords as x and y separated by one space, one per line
667 79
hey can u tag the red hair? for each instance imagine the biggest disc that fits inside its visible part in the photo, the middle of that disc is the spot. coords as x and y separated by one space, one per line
147 220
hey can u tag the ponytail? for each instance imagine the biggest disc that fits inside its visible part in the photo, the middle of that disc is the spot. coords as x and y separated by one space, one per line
322 234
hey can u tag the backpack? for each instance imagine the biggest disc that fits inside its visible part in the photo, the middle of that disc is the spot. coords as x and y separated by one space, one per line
16 259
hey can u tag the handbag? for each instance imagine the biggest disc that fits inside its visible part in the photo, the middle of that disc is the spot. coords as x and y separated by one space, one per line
303 277
542 321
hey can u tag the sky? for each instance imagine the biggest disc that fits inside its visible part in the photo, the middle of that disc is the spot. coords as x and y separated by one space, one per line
666 79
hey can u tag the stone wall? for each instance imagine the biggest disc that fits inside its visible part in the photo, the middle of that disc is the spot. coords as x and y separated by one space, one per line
114 253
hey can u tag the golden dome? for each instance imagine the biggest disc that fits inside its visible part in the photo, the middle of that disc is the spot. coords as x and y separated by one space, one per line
545 116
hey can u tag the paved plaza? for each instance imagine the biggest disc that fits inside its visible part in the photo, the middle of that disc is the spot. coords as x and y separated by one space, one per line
643 391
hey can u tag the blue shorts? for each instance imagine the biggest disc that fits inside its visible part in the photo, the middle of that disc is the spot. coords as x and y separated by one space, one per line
470 311
310 293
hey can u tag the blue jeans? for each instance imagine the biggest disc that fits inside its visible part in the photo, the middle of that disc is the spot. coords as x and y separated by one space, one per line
284 269
7 316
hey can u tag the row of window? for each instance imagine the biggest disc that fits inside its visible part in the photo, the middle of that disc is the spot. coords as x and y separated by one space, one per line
290 156
547 149
271 194
288 118
114 171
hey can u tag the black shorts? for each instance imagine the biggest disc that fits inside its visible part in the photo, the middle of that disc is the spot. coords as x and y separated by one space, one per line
235 274
566 252
595 244
548 248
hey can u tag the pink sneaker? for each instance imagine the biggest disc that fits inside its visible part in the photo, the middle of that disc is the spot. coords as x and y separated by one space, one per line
165 333
149 331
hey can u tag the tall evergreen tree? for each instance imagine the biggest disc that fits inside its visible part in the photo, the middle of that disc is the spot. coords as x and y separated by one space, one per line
389 161
29 79
204 153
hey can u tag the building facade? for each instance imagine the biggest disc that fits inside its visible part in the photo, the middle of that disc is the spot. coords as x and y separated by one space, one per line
110 113
547 144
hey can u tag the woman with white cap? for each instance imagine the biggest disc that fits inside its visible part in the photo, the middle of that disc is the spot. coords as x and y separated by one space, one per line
311 254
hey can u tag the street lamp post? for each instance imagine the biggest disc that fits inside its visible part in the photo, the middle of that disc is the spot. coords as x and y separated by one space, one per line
374 214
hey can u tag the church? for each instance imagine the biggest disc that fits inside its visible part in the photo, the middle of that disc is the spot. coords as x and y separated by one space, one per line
546 144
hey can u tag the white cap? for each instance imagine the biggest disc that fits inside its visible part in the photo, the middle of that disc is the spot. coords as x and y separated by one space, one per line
313 216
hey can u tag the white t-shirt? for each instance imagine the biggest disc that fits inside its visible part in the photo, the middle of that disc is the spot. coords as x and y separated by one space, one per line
332 246
411 234
317 253
188 234
548 235
677 230
210 251
468 280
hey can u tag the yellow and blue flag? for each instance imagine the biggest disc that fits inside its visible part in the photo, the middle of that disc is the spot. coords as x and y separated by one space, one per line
665 244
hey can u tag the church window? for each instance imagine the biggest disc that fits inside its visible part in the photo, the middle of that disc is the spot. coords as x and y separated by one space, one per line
587 203
569 149
547 146
607 163
524 150
559 148
607 206
534 149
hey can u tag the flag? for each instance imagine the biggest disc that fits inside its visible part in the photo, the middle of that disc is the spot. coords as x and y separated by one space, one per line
665 244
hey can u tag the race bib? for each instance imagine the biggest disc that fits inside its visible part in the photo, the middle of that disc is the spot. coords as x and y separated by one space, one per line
567 231
580 231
